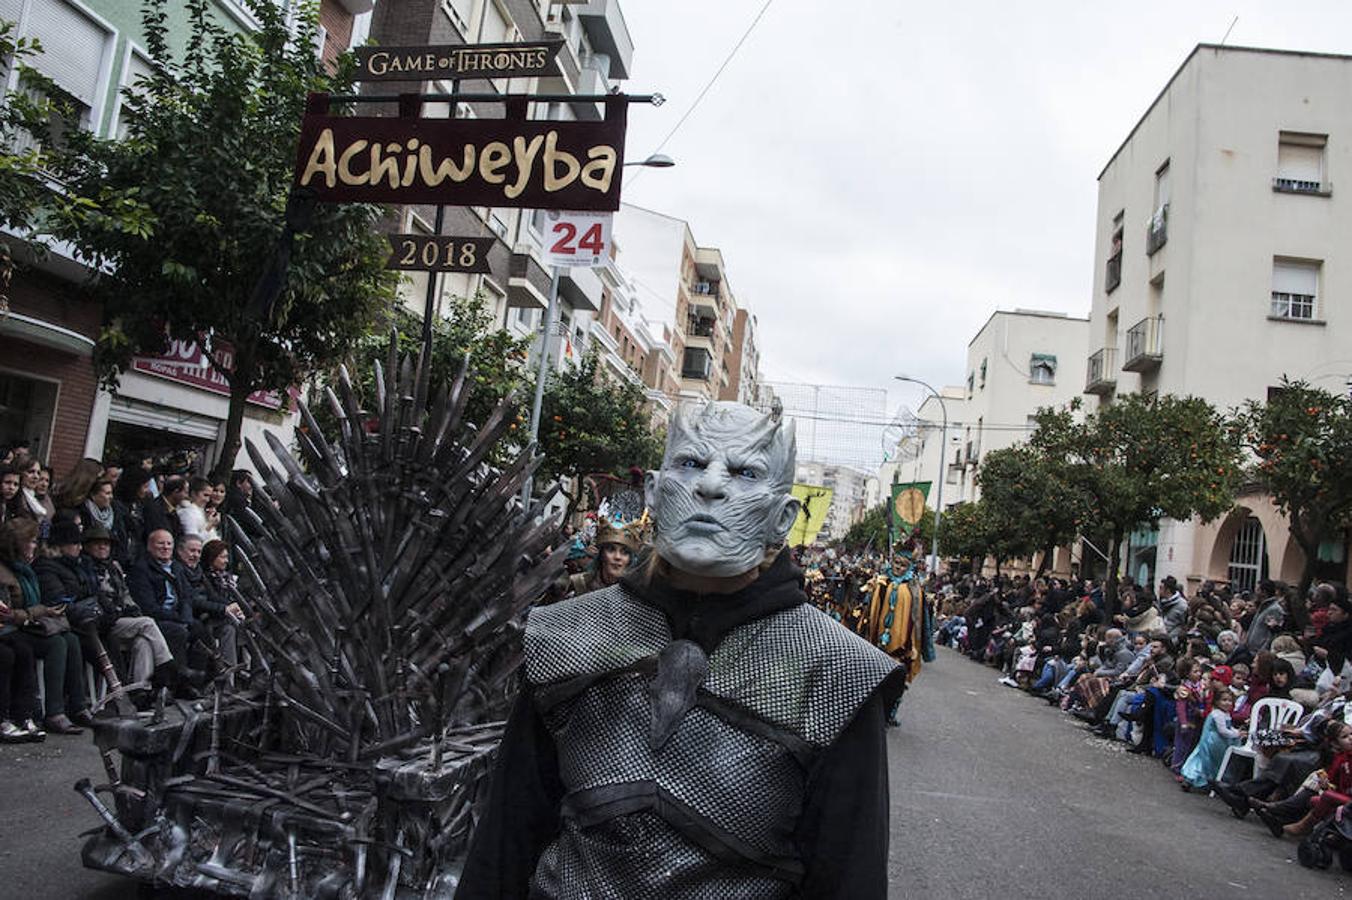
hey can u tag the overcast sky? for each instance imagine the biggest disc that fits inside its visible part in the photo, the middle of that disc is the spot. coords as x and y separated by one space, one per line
881 175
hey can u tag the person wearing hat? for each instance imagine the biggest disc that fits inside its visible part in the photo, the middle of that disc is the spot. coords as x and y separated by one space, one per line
615 549
122 624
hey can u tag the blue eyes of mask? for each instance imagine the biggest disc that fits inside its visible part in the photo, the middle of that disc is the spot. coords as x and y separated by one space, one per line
747 474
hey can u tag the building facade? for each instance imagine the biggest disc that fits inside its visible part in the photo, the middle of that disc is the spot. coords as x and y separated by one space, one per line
849 488
49 397
684 289
1221 262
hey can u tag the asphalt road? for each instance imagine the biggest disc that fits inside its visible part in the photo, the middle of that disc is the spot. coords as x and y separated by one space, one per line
994 795
997 795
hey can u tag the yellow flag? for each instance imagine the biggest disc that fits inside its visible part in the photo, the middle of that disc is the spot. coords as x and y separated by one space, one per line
816 501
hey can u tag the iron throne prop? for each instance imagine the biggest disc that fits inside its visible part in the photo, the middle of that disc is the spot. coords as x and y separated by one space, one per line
385 578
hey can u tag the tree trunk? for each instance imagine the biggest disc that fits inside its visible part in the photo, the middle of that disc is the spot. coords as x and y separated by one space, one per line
1110 583
1046 561
241 380
1309 545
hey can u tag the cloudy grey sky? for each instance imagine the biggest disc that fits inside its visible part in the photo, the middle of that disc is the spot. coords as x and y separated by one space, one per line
883 174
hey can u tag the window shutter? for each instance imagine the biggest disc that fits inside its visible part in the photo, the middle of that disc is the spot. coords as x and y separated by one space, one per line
72 48
9 11
496 28
1295 278
1300 162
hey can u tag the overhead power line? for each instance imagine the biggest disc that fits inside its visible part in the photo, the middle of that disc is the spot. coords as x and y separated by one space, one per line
681 121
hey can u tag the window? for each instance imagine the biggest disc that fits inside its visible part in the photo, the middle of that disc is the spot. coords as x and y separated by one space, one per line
135 71
971 384
983 374
1112 277
1157 234
459 12
75 48
1295 287
1300 163
1042 369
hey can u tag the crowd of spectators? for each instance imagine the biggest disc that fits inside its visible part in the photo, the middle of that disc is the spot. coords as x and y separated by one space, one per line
1242 696
121 569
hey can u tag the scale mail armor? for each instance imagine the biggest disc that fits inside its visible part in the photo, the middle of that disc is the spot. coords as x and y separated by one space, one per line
707 808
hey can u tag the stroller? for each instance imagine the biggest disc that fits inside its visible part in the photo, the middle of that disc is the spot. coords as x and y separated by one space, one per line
1329 838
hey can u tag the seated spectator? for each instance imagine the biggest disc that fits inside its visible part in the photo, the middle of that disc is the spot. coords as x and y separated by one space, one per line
72 492
1322 793
1234 651
161 591
18 683
193 512
1268 619
1333 645
1173 608
222 585
130 493
11 498
43 629
66 579
1190 708
216 618
161 512
30 470
122 624
239 501
1286 647
101 509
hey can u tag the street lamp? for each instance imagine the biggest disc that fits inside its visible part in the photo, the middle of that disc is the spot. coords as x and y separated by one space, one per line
943 463
655 161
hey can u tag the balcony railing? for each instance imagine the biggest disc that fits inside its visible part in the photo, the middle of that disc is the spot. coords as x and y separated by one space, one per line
1301 186
1157 234
1113 276
1145 347
699 327
704 288
1101 377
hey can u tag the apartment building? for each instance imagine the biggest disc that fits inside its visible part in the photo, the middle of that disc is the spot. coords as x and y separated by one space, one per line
596 55
631 348
743 361
849 488
49 396
1222 264
685 287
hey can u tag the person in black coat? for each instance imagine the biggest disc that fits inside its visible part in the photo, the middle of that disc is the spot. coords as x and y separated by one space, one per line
210 610
161 513
161 591
68 580
129 493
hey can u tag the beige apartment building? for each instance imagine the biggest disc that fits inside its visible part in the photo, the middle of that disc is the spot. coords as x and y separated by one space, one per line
1223 264
684 291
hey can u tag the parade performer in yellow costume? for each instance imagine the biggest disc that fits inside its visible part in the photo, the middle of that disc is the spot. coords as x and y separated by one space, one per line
897 619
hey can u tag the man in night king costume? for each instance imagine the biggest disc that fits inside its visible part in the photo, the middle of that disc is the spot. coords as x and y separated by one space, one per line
698 730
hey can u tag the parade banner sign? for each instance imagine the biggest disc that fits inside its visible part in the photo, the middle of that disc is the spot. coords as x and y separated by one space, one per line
816 501
444 253
509 162
523 60
908 502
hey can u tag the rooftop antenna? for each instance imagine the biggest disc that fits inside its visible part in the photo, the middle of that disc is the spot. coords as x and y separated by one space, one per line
1233 22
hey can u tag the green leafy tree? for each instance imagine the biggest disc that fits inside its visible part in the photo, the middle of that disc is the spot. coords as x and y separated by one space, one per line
496 358
967 534
1301 439
591 422
871 530
1030 501
209 153
1141 459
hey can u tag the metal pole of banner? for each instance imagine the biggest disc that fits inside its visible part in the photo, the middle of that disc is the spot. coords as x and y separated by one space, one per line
542 372
943 465
430 302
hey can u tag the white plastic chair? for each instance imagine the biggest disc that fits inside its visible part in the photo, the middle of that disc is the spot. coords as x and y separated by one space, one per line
1279 712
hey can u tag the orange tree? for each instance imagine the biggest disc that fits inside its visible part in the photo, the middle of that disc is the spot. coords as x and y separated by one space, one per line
1031 503
1301 440
1140 459
591 422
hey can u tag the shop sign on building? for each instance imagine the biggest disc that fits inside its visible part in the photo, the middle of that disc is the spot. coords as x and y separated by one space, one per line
577 239
511 162
186 363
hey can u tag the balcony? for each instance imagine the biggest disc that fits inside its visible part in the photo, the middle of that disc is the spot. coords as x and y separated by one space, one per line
1300 186
608 33
1102 375
593 78
699 326
1145 347
697 364
1157 233
1112 277
705 289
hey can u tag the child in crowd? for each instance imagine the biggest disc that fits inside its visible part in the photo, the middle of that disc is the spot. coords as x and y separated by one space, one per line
1204 763
1190 702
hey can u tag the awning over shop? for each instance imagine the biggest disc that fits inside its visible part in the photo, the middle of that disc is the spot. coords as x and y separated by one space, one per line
45 334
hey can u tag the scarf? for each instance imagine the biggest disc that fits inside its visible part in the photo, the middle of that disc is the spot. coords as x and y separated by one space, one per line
34 504
104 517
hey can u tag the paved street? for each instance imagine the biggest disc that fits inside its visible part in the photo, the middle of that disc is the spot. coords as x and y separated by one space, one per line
995 794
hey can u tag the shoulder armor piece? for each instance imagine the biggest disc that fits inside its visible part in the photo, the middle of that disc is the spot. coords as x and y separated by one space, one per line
798 669
591 634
